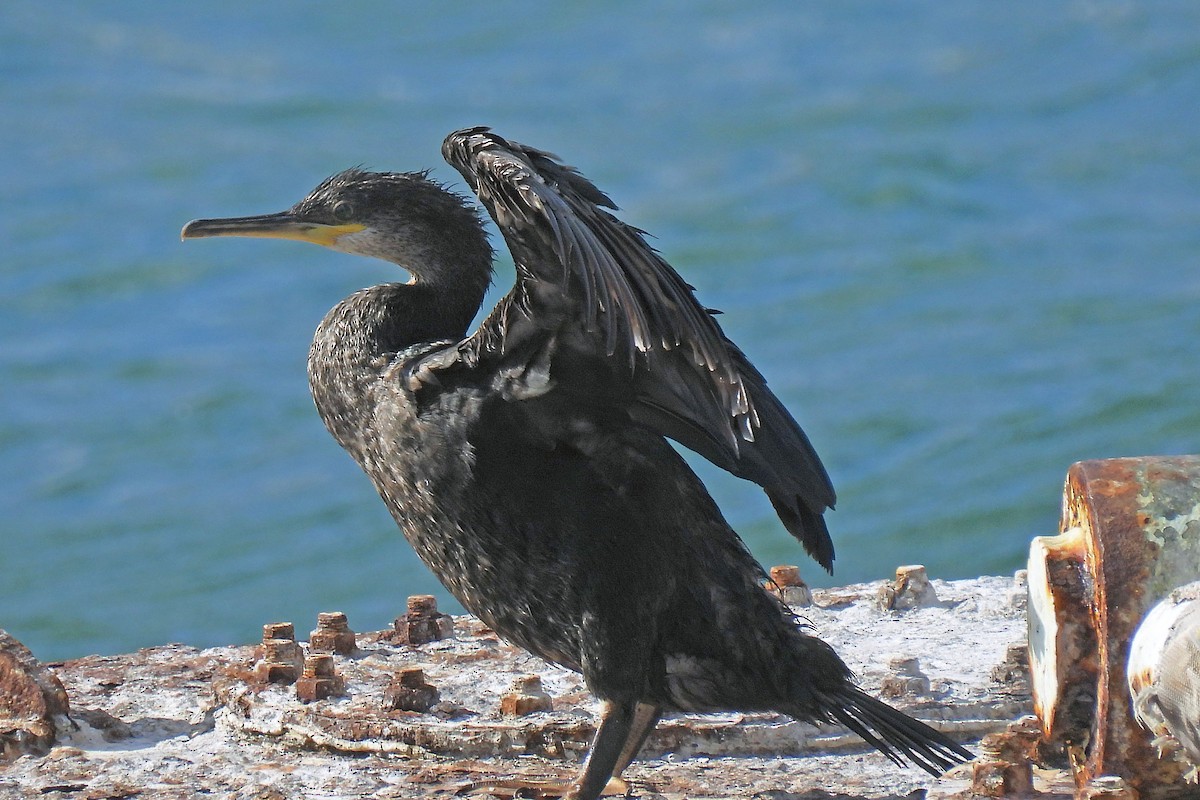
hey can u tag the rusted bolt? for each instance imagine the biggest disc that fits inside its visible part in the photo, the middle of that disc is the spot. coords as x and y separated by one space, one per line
911 589
281 658
279 630
525 697
1018 742
319 680
423 623
319 665
788 586
277 650
281 662
410 692
422 605
1005 769
999 779
332 635
906 678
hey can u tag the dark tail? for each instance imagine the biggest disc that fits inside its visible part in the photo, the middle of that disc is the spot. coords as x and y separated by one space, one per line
896 735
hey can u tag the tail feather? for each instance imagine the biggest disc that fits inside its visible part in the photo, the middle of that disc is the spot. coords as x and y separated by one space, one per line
894 733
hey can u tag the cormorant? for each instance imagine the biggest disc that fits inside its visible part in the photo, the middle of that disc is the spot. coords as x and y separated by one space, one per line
528 463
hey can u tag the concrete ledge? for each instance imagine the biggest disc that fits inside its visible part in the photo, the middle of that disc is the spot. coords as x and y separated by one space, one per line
174 721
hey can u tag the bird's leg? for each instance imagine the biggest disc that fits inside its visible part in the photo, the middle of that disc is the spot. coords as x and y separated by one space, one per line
613 739
645 717
622 732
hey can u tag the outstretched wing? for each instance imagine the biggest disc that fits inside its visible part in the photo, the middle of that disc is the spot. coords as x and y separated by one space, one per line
592 283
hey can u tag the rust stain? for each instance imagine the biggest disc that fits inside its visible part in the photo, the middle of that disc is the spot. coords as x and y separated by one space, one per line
1121 504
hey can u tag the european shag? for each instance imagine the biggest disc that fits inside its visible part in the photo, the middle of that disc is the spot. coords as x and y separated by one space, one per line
528 463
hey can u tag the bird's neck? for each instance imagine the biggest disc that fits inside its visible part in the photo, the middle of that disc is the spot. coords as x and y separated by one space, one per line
359 337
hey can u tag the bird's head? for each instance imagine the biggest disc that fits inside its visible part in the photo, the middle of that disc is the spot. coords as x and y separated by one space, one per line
402 217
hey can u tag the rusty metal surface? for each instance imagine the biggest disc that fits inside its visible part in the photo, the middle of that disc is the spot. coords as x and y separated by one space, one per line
1142 520
1062 637
332 634
423 622
1170 518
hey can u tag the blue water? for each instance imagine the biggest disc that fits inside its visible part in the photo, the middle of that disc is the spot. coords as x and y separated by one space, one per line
960 239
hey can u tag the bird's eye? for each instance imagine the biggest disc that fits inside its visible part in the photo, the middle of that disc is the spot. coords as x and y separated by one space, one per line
343 211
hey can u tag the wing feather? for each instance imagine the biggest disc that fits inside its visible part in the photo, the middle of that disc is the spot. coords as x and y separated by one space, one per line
580 270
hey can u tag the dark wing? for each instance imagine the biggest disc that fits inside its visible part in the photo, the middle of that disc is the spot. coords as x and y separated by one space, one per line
591 282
